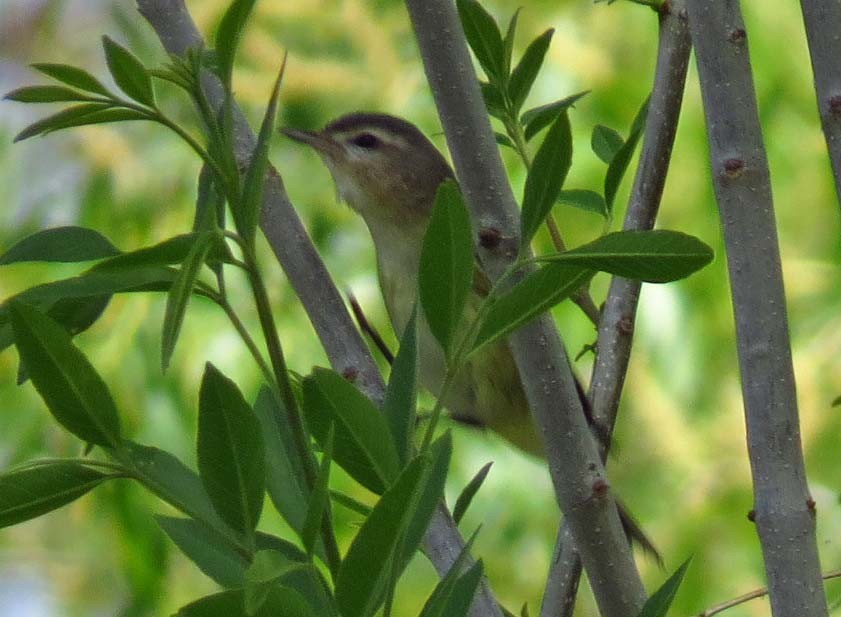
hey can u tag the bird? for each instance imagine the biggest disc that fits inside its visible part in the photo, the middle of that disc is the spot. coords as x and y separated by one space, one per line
389 172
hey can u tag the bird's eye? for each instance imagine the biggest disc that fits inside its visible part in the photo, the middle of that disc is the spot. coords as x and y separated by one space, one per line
366 140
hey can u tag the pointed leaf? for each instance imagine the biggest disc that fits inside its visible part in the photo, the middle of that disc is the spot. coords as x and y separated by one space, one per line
208 549
72 116
229 603
620 161
230 452
523 76
459 601
484 38
658 256
436 604
73 391
508 41
494 102
180 293
28 493
271 569
466 497
446 264
129 73
228 37
531 297
660 601
363 446
72 76
285 479
320 498
62 244
252 199
361 583
546 177
401 395
538 118
606 142
45 94
504 140
590 201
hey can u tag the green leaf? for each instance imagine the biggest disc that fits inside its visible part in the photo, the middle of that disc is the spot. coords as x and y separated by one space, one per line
180 292
320 498
367 567
61 244
271 568
229 603
504 140
620 161
546 177
446 264
45 94
606 142
230 452
660 601
170 251
176 484
437 604
508 41
72 76
531 297
28 493
484 38
252 198
362 447
658 256
228 37
538 118
461 597
523 76
466 497
72 116
350 503
494 101
429 496
73 391
129 73
836 402
285 479
589 201
207 548
401 395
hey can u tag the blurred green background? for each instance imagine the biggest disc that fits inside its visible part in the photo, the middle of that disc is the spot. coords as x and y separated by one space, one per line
681 464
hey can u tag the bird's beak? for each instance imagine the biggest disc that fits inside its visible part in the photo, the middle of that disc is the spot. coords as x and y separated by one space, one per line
322 143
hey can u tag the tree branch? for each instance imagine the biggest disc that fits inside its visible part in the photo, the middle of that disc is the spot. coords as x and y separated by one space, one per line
784 511
574 462
306 272
823 22
616 327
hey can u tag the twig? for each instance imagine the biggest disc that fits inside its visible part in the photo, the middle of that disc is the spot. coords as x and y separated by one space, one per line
574 462
369 329
310 279
823 22
785 512
751 595
616 326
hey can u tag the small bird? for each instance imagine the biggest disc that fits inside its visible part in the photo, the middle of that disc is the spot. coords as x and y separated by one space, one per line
389 172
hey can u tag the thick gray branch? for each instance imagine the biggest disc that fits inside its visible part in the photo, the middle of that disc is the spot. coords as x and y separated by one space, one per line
616 327
574 461
310 279
784 511
823 23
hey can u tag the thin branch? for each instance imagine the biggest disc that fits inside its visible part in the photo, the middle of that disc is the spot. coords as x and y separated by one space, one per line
616 326
785 513
823 22
752 595
297 255
574 462
369 329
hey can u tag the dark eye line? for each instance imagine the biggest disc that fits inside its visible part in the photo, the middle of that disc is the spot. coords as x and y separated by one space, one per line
366 140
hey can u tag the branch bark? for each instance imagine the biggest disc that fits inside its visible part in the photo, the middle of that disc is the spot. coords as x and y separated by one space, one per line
823 22
574 461
293 248
616 326
784 511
